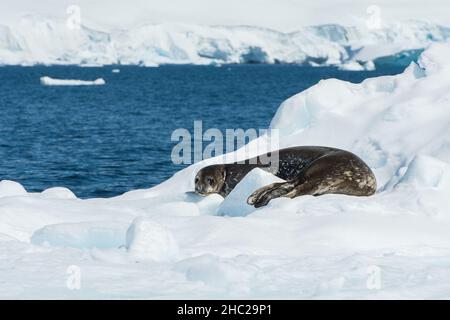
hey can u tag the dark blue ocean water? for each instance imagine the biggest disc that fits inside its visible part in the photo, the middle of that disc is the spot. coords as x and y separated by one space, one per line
101 141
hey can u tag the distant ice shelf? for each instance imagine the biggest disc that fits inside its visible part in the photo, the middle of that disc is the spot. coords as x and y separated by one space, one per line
41 40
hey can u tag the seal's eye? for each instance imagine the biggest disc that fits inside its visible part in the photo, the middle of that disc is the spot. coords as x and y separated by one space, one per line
196 180
211 181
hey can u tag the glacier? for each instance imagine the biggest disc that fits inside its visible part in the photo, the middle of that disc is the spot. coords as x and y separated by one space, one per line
43 40
168 242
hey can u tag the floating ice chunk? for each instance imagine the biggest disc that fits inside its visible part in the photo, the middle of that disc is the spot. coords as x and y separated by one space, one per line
83 235
115 71
352 66
369 66
11 189
235 204
47 81
148 240
149 64
91 65
58 193
214 63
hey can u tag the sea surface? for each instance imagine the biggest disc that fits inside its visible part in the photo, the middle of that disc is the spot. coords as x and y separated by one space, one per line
101 141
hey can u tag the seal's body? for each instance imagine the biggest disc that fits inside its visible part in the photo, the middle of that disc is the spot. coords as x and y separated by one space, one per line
308 170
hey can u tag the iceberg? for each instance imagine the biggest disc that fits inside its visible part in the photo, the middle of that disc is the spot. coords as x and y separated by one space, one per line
167 242
41 40
47 81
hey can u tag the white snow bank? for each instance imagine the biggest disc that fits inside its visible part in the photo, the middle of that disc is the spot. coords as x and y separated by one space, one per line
307 247
58 193
11 189
148 240
47 81
48 41
235 204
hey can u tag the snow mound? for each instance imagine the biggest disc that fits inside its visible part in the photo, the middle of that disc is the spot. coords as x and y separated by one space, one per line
58 193
47 81
148 240
235 204
84 235
210 204
11 189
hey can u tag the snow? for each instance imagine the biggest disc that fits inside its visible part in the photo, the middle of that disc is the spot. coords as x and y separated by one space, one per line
58 193
47 81
147 239
85 235
43 40
11 189
235 204
427 172
167 242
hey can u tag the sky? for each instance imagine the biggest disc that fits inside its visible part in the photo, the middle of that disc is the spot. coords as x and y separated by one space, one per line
282 15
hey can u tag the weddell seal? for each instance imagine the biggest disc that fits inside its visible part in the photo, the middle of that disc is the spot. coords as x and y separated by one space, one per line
308 170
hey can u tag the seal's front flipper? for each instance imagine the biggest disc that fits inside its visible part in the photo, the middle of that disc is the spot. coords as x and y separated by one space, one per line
262 196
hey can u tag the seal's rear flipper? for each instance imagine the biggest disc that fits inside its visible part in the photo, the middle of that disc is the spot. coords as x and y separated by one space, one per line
262 196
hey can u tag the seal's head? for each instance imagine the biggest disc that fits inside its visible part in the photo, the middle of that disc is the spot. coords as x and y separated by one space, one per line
210 179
